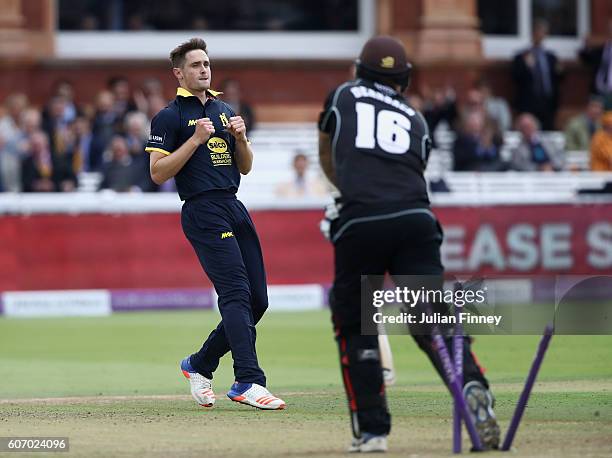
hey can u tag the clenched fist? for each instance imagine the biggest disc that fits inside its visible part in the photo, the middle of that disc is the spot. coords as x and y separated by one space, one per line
237 128
203 130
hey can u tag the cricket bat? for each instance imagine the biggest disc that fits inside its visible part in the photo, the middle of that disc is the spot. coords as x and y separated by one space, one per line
386 359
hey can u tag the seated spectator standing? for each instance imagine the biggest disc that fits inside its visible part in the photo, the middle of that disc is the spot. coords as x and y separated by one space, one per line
496 108
601 146
38 172
476 147
61 141
230 94
2 154
536 73
534 152
11 115
54 124
119 173
581 128
439 106
31 122
65 90
37 167
475 102
119 86
19 147
150 88
136 139
65 164
599 58
81 134
103 128
301 185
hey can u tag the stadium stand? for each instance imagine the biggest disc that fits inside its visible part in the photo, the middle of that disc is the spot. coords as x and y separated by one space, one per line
275 144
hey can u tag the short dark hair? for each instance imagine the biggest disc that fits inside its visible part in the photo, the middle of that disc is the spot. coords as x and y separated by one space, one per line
177 56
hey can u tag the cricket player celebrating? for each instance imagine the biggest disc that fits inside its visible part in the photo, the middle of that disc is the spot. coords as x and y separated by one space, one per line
374 147
202 143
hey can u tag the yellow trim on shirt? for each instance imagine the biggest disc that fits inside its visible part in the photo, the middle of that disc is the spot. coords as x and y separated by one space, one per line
151 149
182 92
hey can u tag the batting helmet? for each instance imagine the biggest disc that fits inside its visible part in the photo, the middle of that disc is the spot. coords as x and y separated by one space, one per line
384 59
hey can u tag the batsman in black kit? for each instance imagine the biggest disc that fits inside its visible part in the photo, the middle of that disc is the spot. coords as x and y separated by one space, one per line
374 147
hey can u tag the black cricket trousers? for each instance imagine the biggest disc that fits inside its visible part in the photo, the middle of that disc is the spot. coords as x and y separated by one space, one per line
405 242
223 236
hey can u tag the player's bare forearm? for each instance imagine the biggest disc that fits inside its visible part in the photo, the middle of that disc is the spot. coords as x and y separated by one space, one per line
325 157
244 156
163 167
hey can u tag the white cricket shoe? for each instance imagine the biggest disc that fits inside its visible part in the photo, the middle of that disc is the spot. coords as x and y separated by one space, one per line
368 443
480 404
201 387
255 395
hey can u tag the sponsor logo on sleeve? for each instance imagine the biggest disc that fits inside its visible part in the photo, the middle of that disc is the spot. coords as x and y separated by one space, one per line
157 139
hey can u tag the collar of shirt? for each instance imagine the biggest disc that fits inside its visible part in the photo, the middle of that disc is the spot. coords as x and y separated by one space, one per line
182 92
385 89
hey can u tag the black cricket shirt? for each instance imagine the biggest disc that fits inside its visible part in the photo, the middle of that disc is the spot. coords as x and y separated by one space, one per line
380 146
212 166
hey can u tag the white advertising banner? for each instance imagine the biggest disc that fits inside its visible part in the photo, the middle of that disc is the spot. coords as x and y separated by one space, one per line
57 303
295 297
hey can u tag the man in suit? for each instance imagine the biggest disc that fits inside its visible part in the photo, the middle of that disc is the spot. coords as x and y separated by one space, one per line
599 58
536 75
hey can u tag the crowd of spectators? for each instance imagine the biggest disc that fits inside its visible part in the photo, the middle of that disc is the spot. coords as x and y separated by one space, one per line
44 149
479 119
48 148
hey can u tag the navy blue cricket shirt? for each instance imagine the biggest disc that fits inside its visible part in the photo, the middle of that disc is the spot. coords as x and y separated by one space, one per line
213 165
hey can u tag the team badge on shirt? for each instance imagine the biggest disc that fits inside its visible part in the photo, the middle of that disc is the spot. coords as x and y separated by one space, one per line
224 120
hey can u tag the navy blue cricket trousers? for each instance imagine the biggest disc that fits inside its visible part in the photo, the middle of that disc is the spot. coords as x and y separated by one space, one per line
223 235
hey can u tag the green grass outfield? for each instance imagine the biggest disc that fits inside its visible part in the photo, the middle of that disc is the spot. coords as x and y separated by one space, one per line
113 386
